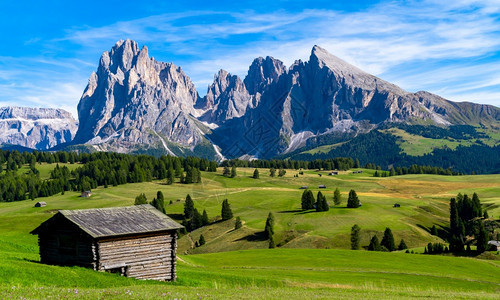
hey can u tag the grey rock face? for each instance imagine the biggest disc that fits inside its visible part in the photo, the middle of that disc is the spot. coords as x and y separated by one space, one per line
326 95
133 99
36 128
226 98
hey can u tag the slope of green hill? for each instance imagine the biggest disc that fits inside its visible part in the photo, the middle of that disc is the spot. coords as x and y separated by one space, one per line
291 271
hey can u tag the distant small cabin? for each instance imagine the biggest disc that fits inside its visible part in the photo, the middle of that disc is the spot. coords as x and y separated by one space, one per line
357 172
322 186
495 245
305 187
41 204
86 194
333 173
397 205
136 241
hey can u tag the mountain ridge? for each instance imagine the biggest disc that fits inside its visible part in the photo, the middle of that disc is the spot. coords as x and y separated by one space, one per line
133 103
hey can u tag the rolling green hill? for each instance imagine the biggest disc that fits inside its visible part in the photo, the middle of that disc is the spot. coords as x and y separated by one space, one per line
289 271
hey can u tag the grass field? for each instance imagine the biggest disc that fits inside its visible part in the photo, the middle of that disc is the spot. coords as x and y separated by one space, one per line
290 271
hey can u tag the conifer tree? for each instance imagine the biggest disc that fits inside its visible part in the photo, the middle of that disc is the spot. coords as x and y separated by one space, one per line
271 243
272 172
355 237
388 240
402 245
201 242
307 201
204 218
337 197
158 202
269 229
482 238
237 223
188 207
352 200
226 172
233 172
281 172
255 174
196 220
374 244
141 199
226 212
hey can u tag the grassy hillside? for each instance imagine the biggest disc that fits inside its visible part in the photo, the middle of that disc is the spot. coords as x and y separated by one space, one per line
271 273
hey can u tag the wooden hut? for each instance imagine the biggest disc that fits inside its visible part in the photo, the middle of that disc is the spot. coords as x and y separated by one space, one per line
322 186
86 194
136 241
41 204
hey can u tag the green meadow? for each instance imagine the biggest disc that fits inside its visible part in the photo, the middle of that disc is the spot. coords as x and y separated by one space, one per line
313 259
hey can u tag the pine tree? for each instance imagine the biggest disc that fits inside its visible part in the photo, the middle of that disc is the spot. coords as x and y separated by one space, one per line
237 223
269 229
196 220
482 238
374 244
392 172
356 163
485 214
226 172
476 206
337 197
226 212
188 207
233 172
272 172
141 199
402 245
307 201
388 240
255 174
201 242
456 226
271 243
319 201
204 218
281 172
158 202
352 200
355 237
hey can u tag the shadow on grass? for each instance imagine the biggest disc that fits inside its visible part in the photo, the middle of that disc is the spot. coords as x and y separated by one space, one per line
256 237
178 217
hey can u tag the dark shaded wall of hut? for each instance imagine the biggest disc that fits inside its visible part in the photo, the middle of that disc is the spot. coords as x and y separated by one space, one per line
148 256
66 244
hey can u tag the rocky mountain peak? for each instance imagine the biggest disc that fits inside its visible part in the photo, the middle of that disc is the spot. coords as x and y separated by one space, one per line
227 98
36 128
262 73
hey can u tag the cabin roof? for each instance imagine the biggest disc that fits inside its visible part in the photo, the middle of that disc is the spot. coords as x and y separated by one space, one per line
116 221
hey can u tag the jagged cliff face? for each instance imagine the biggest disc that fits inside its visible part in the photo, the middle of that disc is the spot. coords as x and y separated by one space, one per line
226 98
133 99
36 128
327 95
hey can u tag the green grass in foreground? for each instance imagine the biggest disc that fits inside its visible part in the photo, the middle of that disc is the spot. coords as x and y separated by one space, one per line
276 273
267 274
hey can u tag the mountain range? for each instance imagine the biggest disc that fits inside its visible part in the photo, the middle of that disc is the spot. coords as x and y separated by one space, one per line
135 104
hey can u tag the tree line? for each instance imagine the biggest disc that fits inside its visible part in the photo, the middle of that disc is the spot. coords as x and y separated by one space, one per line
97 169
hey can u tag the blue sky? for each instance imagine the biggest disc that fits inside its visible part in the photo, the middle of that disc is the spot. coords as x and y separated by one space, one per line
49 48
